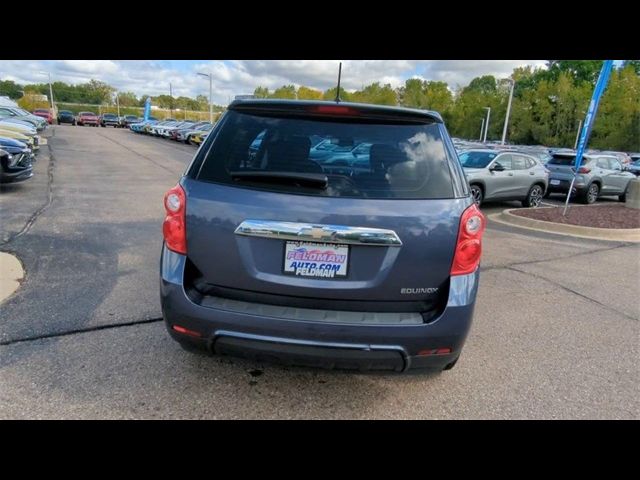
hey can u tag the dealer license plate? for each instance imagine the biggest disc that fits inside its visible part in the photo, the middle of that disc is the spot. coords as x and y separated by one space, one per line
319 260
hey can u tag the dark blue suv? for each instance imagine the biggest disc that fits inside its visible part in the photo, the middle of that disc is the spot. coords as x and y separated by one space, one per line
276 256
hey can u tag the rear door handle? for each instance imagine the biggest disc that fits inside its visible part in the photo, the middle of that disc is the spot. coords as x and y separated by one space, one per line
510 174
531 173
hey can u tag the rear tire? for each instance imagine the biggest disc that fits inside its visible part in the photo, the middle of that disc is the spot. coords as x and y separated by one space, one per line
477 194
534 197
590 195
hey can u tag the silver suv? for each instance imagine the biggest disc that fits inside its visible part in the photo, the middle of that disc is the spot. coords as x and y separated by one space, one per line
598 175
508 175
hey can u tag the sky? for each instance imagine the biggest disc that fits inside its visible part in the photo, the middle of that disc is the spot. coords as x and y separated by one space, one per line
237 77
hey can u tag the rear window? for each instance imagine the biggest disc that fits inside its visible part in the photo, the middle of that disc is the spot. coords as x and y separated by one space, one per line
562 160
359 159
476 159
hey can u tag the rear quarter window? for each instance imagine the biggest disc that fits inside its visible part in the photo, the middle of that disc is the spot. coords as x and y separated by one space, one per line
360 159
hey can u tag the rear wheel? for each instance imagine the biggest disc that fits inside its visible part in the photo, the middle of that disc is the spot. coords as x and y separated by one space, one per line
591 194
534 197
476 193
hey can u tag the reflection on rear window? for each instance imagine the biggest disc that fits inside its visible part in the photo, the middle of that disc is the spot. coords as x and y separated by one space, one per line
370 160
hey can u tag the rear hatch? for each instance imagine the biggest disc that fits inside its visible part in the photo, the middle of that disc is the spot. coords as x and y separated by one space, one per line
562 166
272 225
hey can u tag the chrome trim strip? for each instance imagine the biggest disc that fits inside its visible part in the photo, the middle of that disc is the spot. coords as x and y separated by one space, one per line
309 232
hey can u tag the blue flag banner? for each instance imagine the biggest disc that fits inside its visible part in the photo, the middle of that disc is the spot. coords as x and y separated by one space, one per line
601 84
147 108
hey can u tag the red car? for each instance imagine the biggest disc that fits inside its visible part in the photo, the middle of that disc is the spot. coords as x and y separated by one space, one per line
44 113
88 118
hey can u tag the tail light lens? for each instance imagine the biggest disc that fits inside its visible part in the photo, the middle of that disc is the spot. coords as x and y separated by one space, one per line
174 226
582 169
469 245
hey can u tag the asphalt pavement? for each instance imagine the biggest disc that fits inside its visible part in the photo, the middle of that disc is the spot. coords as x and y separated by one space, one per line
555 332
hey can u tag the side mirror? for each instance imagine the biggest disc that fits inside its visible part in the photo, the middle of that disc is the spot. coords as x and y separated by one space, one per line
496 167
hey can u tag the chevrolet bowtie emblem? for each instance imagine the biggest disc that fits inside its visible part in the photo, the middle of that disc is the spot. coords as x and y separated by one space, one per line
317 233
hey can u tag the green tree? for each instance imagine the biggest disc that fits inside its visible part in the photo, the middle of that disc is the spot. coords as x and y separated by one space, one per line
486 85
412 94
306 93
11 89
202 103
579 70
617 124
261 92
96 92
439 97
376 94
286 91
128 99
330 94
635 64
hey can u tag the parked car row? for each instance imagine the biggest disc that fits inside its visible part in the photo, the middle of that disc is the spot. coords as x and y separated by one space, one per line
90 118
530 173
187 131
19 143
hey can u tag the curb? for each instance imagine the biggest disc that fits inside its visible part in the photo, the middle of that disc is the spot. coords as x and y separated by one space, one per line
11 273
593 233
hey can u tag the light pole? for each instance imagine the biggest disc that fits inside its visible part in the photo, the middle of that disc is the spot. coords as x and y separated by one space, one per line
486 124
118 105
575 146
506 120
170 100
481 129
210 94
50 92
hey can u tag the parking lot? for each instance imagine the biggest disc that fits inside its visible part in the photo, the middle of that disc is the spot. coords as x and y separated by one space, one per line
555 333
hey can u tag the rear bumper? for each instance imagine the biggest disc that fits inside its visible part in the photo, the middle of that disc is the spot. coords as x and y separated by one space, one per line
329 345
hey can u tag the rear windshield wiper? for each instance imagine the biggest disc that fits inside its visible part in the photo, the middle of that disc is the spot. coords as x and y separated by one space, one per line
312 180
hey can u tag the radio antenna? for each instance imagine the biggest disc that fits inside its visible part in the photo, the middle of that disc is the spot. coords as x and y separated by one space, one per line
338 90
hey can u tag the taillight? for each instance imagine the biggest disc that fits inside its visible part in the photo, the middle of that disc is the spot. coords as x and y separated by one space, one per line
186 331
582 169
469 245
334 109
174 226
